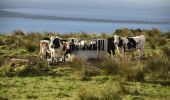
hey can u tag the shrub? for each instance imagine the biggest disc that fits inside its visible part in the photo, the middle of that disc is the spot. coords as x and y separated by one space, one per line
153 32
166 52
109 66
152 44
30 46
6 70
4 59
78 63
167 35
158 64
124 32
85 75
1 42
162 42
8 41
33 68
18 32
85 70
104 35
135 74
131 70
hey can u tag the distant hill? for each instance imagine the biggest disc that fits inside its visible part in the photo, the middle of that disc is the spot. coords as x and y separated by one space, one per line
4 13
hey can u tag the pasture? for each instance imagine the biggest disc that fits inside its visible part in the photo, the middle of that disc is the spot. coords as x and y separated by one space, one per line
115 78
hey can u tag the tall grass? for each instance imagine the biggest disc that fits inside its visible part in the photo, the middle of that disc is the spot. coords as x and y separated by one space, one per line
131 70
1 42
158 65
85 69
126 67
104 93
108 65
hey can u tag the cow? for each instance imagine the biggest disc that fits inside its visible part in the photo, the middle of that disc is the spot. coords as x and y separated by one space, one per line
124 44
58 48
44 49
111 46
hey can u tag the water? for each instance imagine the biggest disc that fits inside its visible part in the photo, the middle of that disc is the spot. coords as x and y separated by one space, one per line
9 24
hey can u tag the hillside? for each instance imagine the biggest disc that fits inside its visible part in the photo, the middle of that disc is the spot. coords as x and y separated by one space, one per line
93 79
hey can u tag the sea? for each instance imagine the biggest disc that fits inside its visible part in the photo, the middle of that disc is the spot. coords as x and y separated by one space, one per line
10 24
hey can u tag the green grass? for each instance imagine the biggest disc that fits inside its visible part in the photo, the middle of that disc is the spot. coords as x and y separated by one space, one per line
105 79
69 86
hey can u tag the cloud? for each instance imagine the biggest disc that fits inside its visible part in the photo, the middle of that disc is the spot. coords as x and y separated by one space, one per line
150 2
85 4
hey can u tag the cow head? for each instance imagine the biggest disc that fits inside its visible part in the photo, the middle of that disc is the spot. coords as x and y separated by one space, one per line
66 46
52 38
118 40
55 42
44 43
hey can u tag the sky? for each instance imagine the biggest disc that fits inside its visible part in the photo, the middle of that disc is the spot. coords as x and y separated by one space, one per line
87 4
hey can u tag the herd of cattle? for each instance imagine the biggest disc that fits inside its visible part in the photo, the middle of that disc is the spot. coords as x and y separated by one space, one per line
55 48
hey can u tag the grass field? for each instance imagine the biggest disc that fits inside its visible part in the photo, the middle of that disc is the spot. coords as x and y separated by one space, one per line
118 78
68 86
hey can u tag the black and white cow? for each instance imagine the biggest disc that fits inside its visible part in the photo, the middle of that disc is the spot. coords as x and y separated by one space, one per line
111 46
57 48
124 44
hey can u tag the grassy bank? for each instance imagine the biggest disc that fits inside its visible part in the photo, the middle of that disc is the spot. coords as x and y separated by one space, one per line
102 79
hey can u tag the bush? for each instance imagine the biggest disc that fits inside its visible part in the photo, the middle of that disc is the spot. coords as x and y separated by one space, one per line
131 70
166 52
153 32
152 45
158 64
124 32
34 68
7 70
1 42
30 46
135 74
85 70
167 35
8 41
109 66
85 75
78 63
18 32
162 42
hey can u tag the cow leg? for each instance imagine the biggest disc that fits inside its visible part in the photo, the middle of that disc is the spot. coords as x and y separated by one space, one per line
52 57
58 59
46 55
64 59
121 52
142 51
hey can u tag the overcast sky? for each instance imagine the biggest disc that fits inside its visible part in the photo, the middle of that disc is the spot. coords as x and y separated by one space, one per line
87 4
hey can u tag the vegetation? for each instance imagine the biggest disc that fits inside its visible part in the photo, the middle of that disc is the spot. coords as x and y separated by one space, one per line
109 78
